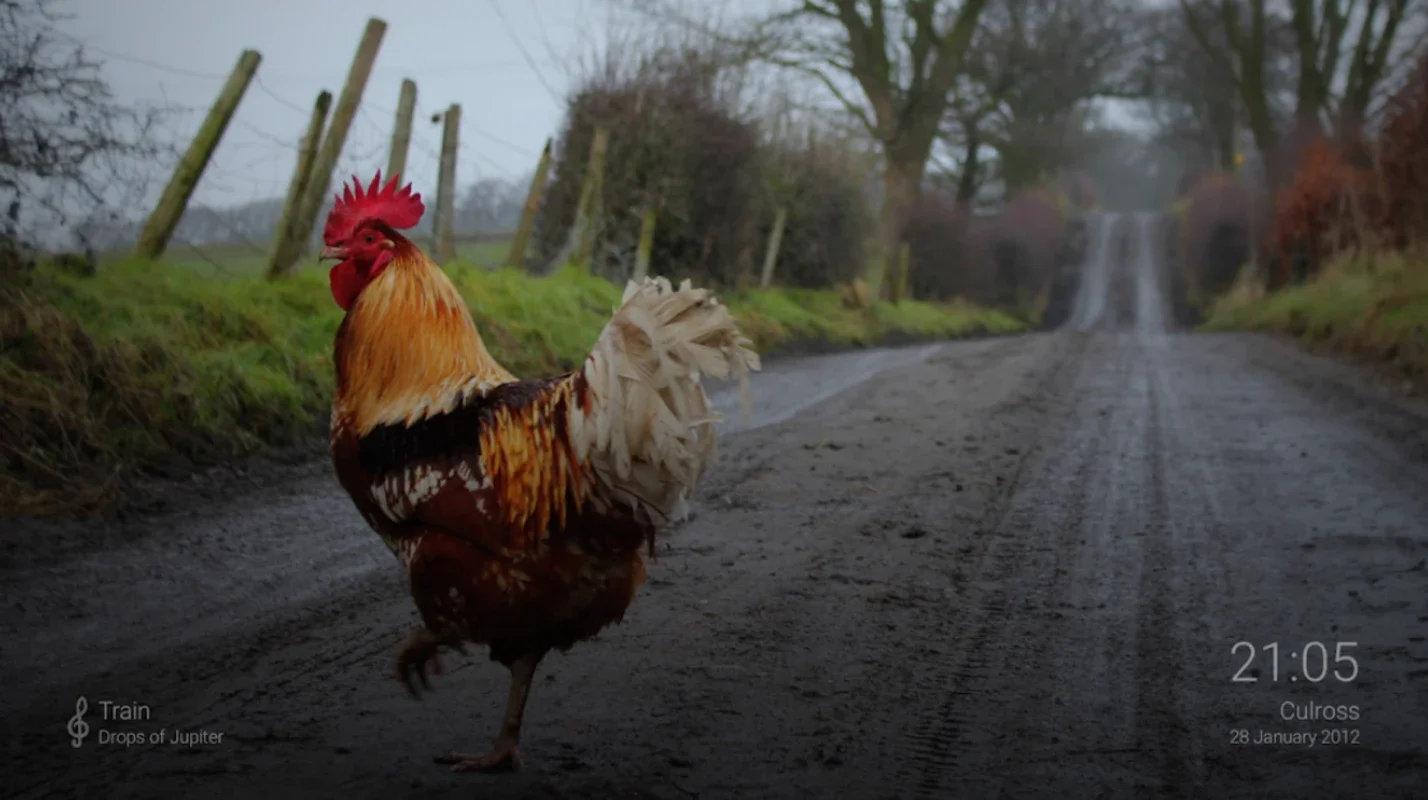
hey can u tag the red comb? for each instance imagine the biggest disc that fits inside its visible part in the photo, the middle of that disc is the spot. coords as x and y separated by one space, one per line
399 208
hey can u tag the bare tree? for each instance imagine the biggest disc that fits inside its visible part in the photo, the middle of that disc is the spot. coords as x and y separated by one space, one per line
1377 43
904 57
1032 68
1240 51
65 143
1190 95
891 65
1338 69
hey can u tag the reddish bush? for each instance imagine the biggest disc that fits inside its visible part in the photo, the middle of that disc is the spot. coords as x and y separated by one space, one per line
1403 161
1026 239
1284 160
1215 233
1320 211
945 258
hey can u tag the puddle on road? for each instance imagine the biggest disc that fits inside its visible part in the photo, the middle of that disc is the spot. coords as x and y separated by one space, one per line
787 388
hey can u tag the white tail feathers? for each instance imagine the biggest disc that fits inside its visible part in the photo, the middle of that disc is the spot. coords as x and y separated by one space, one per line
649 434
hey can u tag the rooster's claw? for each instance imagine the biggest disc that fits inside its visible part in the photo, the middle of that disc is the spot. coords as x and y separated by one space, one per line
420 649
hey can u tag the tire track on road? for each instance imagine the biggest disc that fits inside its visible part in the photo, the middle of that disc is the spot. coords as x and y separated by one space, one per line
1160 641
1078 580
943 739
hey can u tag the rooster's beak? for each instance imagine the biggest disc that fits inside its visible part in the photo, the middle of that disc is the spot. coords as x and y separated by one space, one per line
335 253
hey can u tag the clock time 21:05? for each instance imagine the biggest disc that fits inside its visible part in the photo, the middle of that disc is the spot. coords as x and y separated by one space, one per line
1313 662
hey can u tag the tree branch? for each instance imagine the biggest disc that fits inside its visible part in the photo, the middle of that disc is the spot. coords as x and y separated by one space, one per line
65 143
816 72
1370 60
1201 35
870 62
951 49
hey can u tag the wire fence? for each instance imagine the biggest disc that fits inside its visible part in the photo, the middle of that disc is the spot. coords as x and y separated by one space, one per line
231 216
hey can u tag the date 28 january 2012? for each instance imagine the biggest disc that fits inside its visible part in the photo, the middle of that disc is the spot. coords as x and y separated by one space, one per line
1321 737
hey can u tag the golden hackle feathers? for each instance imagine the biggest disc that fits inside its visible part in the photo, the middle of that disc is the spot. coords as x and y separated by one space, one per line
649 433
539 480
410 348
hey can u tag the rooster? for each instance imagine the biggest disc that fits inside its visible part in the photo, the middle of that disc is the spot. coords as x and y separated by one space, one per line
519 508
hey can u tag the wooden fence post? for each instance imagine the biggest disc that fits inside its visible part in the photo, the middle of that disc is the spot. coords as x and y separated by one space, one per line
517 254
443 249
775 242
402 133
320 178
161 223
278 263
646 248
588 213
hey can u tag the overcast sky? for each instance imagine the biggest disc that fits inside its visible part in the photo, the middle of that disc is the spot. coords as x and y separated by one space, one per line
457 52
508 63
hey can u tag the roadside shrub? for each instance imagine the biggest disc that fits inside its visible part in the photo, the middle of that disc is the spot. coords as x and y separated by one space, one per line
1371 306
1282 162
825 236
1025 242
678 142
945 258
1061 296
1403 161
1214 235
1073 243
1323 210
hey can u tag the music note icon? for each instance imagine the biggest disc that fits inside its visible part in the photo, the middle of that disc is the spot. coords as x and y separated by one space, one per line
77 727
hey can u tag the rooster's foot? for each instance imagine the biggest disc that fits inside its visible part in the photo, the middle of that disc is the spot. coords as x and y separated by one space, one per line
420 651
506 758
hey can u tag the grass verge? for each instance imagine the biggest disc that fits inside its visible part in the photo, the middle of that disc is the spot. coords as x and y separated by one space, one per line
154 369
1372 309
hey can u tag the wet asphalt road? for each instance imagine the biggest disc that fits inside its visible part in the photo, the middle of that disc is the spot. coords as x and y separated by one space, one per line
980 569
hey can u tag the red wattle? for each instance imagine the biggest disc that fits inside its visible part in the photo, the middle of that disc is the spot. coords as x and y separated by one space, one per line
346 284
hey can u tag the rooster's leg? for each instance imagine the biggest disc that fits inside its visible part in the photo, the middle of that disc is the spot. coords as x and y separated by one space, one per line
505 755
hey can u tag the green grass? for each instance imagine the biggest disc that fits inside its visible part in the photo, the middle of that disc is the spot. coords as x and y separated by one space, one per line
163 367
1369 308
